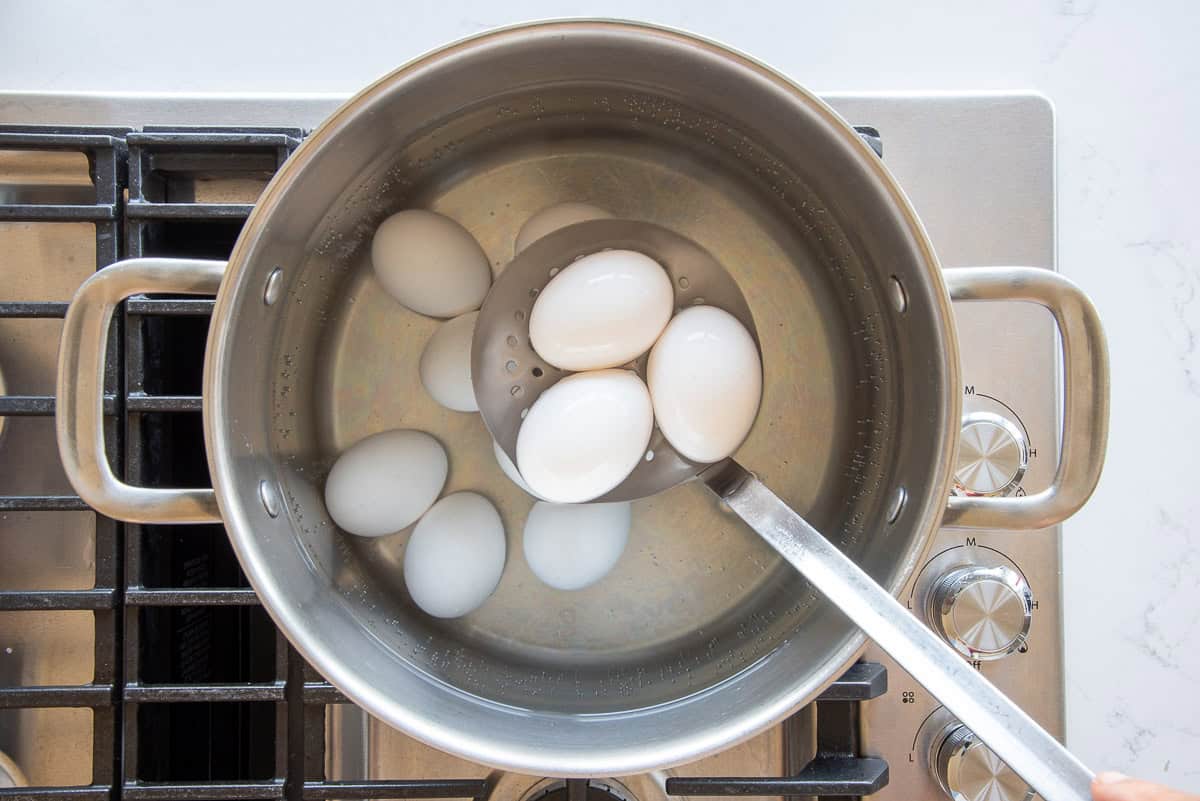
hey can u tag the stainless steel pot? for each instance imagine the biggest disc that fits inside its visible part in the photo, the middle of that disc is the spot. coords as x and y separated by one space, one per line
702 636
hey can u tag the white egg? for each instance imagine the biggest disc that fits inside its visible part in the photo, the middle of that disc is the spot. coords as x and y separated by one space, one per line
705 378
572 546
551 218
430 263
446 364
455 557
382 484
584 435
603 310
510 469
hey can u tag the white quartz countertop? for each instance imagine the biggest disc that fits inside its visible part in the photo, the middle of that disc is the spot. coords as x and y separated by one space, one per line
1125 79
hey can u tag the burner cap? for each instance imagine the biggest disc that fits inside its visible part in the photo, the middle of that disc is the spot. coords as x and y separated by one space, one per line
580 790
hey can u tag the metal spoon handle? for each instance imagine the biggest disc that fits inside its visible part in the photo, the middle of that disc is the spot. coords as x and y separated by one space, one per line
1012 735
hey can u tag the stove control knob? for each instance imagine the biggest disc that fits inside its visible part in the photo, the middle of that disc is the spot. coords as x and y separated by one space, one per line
967 770
984 612
992 455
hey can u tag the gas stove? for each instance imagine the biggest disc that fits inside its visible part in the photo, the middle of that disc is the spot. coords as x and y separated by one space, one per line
136 663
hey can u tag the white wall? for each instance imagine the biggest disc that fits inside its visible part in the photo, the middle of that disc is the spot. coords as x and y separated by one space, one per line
1126 81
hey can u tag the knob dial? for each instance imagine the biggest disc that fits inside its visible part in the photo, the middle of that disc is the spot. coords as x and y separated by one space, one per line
968 770
992 455
984 612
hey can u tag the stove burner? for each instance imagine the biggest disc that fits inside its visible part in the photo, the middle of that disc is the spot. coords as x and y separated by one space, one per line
579 790
10 774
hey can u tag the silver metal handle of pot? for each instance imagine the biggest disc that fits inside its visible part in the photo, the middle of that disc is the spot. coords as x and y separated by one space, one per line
80 404
1085 397
1012 735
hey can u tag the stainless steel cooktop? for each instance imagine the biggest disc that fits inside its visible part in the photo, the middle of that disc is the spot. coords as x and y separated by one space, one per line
978 168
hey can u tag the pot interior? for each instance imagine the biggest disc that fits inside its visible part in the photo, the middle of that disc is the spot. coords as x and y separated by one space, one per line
698 617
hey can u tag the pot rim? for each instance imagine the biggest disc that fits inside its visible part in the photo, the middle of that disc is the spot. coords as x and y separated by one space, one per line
460 739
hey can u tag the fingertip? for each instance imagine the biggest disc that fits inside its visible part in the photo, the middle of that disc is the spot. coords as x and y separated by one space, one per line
1110 777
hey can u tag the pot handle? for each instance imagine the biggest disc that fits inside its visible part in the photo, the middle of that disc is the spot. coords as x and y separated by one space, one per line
80 404
1085 397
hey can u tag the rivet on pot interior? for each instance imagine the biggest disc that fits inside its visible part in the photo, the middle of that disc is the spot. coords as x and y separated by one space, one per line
269 498
271 291
897 294
897 505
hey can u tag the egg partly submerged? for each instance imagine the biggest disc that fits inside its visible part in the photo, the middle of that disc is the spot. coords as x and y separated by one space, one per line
551 218
384 482
446 364
430 263
584 435
572 546
705 379
455 557
603 310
